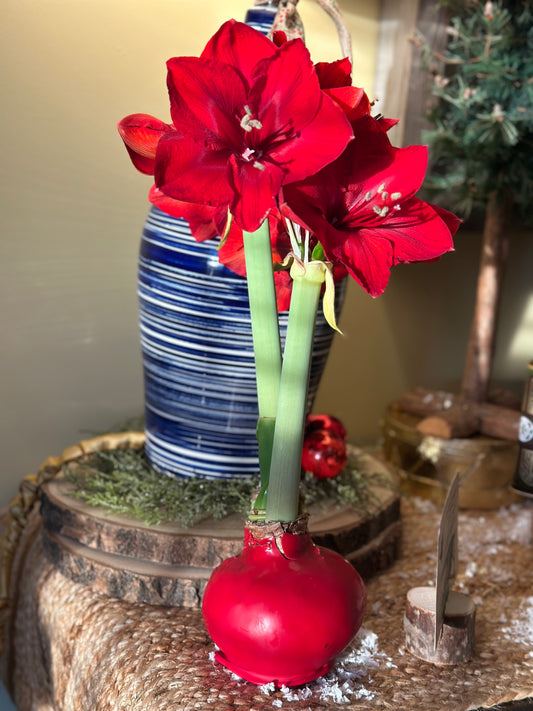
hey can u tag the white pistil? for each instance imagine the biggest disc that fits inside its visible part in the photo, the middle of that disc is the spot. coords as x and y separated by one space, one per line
247 122
296 245
248 154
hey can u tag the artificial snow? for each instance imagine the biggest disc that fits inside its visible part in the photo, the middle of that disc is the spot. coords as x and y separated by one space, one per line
521 627
341 684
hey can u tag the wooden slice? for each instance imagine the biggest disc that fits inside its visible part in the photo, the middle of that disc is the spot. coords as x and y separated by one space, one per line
170 565
456 643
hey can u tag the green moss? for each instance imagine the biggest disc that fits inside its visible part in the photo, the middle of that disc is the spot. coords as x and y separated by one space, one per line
122 481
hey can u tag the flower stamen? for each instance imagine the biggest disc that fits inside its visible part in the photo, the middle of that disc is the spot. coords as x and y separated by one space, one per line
247 122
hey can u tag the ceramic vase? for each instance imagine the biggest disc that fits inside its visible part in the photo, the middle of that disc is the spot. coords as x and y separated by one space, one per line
199 374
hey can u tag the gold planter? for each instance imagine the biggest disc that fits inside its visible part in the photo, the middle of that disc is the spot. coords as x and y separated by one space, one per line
427 465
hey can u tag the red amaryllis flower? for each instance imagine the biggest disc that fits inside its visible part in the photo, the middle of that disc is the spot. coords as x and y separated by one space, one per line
335 79
208 222
249 118
205 222
141 134
363 211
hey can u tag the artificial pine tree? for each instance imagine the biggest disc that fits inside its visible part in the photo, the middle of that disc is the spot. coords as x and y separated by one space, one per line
481 146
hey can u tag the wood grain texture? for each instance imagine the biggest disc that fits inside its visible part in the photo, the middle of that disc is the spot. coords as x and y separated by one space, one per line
167 564
70 647
456 643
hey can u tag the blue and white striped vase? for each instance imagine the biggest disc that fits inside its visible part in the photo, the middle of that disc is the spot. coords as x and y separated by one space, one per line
261 17
199 374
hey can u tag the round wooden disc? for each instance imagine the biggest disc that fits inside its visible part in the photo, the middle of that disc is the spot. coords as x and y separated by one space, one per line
170 565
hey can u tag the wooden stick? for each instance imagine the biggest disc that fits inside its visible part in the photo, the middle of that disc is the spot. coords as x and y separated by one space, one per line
447 416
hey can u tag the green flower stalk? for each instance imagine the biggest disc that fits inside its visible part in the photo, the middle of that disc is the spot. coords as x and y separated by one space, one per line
267 348
282 385
285 469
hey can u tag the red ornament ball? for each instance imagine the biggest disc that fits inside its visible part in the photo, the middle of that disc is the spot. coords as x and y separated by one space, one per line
325 422
324 455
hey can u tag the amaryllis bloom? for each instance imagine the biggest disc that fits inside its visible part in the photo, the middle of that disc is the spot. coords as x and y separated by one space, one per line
141 134
335 79
363 210
249 117
205 222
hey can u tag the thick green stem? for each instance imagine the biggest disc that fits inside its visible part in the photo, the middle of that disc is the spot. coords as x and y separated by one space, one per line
265 332
264 314
285 470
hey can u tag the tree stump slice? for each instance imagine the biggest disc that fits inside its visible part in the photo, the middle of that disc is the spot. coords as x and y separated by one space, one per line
456 644
167 564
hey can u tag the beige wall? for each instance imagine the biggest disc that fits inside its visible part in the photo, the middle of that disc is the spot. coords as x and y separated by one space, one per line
73 207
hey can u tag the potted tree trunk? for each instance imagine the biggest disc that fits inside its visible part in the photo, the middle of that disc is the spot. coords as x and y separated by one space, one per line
482 165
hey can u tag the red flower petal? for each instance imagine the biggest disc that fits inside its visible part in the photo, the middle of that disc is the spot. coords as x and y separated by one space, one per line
417 232
200 217
334 74
362 210
279 37
240 46
319 142
206 99
187 171
367 256
285 89
452 221
353 101
254 190
141 134
386 124
381 179
290 102
283 284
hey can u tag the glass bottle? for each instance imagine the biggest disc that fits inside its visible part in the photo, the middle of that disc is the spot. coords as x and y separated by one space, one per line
523 478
